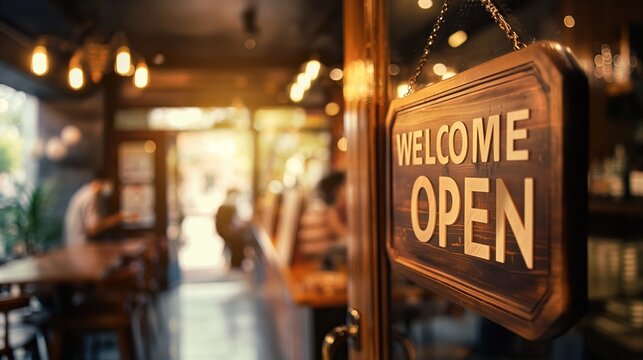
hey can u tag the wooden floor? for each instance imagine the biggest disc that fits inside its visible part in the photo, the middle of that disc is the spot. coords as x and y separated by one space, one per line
211 320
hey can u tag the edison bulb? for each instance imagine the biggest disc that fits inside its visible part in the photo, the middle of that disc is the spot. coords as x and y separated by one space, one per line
76 77
141 75
123 61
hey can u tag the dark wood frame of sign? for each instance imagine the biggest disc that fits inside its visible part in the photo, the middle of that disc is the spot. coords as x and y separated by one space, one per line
536 293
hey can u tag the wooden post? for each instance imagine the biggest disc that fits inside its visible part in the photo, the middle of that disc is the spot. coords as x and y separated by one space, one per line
365 93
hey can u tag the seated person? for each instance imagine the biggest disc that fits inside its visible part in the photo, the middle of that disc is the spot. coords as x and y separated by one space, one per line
333 189
323 227
83 219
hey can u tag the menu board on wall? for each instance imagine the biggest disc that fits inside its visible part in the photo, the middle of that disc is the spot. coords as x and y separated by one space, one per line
136 183
135 162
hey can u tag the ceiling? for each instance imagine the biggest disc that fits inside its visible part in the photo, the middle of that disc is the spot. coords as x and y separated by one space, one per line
203 42
192 33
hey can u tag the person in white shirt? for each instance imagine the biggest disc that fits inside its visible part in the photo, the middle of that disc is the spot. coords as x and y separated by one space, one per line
83 219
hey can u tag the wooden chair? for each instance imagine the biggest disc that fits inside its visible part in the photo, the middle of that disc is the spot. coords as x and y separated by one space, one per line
17 335
113 307
149 295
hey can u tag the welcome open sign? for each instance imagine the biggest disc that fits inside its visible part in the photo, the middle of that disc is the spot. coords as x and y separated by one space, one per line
486 189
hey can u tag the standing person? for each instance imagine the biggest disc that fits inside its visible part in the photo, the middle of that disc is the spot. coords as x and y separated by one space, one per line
83 219
231 228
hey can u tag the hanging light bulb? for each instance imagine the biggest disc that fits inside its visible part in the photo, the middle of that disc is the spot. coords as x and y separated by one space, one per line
141 75
123 61
76 77
39 60
296 92
304 81
312 69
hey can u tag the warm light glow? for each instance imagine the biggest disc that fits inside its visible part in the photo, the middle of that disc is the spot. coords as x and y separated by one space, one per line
448 74
131 71
312 69
342 144
358 79
336 74
158 59
393 69
295 165
39 60
123 61
70 135
76 77
4 105
425 4
457 38
275 186
141 75
439 69
149 147
296 92
303 81
332 108
402 89
598 60
55 149
250 44
569 21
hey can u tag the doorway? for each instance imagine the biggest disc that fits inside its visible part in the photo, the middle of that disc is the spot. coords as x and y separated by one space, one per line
210 163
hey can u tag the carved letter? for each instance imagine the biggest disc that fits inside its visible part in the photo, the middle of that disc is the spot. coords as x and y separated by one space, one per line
417 147
403 148
447 184
438 149
472 214
482 140
428 158
458 158
423 235
523 230
514 134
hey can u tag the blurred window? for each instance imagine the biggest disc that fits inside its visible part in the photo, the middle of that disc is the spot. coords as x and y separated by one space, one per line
19 146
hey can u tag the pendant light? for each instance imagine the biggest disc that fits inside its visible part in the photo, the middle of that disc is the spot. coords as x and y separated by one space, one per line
40 60
141 75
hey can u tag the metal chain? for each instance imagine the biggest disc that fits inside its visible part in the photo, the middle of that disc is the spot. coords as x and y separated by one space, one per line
503 24
427 47
495 14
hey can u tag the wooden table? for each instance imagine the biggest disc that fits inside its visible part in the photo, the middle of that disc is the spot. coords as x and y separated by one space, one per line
87 263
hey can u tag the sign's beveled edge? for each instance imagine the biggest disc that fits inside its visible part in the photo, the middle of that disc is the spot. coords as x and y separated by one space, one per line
566 297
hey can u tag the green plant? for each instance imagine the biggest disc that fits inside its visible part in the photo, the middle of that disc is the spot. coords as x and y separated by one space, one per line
9 153
25 219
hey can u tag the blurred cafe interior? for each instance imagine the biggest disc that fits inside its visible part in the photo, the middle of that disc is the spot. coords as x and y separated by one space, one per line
206 179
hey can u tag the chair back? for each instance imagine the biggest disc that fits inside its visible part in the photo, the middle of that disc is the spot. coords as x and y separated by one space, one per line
8 304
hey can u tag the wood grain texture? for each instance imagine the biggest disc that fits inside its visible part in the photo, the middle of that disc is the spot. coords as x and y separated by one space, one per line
538 302
366 85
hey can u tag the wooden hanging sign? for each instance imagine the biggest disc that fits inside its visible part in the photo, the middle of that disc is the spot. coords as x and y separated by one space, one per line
486 189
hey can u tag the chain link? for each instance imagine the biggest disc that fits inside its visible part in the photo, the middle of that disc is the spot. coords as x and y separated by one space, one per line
491 9
503 24
427 47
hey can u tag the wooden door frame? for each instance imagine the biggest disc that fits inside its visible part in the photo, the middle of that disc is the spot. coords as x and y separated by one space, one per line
366 90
